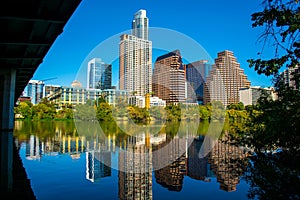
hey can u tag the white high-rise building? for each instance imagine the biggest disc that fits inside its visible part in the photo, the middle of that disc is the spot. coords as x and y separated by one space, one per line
136 57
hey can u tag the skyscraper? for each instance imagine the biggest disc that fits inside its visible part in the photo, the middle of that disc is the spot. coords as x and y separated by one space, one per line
35 90
225 80
140 25
98 74
169 77
136 57
196 73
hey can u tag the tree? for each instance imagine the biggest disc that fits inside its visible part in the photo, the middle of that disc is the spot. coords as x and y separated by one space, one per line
204 112
104 112
280 20
173 112
65 113
44 110
274 124
24 109
85 112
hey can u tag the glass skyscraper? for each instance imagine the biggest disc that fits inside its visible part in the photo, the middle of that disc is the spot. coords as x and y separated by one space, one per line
35 90
98 74
196 74
140 25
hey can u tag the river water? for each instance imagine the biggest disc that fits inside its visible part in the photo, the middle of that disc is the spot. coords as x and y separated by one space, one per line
90 160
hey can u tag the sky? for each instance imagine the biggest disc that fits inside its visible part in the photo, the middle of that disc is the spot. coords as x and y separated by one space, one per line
194 25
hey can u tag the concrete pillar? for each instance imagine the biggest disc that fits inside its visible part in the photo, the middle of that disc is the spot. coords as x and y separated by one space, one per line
7 98
6 161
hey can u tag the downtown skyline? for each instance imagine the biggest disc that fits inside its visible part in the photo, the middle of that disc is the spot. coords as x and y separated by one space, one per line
70 50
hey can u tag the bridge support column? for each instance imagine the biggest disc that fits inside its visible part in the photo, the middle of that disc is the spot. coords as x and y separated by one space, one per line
7 98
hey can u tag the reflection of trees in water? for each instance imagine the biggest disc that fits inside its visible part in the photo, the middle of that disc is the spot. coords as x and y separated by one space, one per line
273 177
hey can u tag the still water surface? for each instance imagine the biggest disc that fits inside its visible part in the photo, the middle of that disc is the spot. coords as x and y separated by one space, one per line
65 161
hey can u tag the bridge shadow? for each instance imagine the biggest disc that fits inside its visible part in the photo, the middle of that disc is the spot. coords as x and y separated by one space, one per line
14 181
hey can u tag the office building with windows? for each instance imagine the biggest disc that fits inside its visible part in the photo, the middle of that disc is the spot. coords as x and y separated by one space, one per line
289 77
169 78
98 74
75 95
196 73
35 90
225 80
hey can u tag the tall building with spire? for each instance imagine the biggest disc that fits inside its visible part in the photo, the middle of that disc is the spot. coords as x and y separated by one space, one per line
135 57
140 25
225 80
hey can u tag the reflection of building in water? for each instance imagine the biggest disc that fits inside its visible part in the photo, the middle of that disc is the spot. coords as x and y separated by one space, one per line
52 146
197 168
95 167
34 148
170 176
225 163
72 145
98 159
135 168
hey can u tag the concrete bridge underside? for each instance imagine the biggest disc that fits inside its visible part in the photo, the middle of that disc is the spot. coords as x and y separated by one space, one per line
28 30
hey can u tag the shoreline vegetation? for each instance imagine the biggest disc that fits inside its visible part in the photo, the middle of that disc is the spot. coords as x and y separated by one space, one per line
102 111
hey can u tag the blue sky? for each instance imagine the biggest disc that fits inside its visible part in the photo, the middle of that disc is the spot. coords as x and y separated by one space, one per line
215 25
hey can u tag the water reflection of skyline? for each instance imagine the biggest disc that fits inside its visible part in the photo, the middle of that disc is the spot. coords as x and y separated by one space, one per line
137 161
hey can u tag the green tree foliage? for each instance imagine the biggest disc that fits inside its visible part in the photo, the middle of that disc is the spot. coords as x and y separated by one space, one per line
236 106
204 112
24 110
120 109
64 113
280 20
173 112
138 114
157 113
85 112
189 112
44 110
276 123
217 110
104 112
